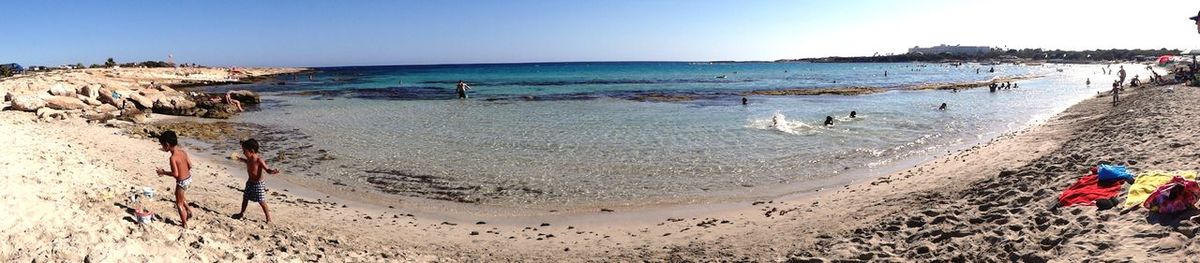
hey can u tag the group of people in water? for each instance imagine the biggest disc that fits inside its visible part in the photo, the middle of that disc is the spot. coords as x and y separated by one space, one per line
1005 86
829 119
1119 84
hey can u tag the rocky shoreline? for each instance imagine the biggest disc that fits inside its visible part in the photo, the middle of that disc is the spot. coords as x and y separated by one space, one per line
100 95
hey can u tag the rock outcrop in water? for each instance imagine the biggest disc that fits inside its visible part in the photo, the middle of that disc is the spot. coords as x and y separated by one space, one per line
819 91
969 85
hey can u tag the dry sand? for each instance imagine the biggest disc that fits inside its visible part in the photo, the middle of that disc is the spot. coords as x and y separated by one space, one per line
65 181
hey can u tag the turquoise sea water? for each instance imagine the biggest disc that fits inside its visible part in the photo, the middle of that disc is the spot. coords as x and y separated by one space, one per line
535 135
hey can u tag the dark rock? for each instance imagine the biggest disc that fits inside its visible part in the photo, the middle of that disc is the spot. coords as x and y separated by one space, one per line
246 97
1006 173
174 105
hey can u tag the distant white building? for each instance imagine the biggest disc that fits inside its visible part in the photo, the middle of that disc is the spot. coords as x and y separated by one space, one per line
954 50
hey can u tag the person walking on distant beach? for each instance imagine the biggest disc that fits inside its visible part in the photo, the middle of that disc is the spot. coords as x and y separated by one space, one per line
1089 82
462 89
1116 92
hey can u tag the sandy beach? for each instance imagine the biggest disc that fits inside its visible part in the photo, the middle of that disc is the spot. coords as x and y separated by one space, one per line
66 183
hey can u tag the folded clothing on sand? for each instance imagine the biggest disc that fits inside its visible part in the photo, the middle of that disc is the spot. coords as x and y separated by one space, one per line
1149 181
1175 196
1088 189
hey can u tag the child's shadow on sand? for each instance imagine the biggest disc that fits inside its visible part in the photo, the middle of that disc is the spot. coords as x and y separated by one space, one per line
131 215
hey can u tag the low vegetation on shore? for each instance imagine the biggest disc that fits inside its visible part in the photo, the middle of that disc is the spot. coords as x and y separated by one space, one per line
997 54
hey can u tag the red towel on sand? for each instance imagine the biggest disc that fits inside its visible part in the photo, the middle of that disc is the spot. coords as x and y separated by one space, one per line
1087 190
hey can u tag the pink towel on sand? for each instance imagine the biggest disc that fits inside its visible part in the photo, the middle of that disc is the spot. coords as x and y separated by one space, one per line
1173 197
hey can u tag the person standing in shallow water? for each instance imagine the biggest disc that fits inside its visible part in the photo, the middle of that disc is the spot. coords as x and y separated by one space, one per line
1121 76
462 89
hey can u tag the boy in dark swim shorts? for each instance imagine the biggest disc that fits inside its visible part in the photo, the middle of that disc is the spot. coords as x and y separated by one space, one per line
255 190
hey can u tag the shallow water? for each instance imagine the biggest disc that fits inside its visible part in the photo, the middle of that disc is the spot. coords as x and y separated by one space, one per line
612 150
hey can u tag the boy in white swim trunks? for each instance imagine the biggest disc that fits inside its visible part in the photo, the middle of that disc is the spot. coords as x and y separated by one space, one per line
181 167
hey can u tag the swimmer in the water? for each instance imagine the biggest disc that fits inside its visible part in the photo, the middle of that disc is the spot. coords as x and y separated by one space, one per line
853 114
943 107
745 101
462 89
828 120
775 121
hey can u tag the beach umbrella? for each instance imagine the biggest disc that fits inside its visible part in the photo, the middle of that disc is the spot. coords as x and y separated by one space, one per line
1163 60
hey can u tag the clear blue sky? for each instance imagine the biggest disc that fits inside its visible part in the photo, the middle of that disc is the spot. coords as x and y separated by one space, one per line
326 33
